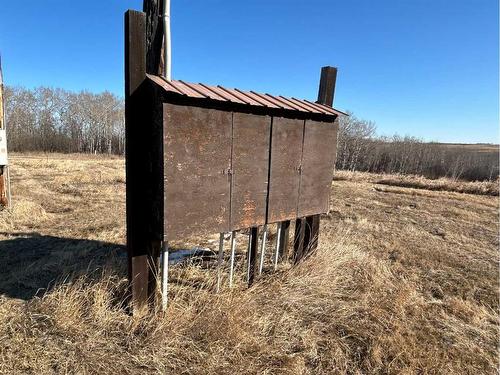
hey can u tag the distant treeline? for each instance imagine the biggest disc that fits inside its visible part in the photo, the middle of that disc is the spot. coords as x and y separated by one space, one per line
359 149
56 120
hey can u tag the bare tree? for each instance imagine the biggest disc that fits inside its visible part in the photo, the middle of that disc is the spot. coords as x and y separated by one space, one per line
354 141
46 119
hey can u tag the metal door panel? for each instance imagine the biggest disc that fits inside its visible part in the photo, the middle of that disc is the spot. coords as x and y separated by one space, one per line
318 161
286 153
197 156
250 167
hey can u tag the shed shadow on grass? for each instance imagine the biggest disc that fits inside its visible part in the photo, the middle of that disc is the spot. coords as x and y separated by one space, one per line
31 264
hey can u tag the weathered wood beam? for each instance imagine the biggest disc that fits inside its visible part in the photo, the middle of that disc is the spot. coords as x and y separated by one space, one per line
298 243
154 37
284 235
312 230
139 250
135 51
326 91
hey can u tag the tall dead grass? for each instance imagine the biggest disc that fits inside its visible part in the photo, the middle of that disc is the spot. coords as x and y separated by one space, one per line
404 282
341 311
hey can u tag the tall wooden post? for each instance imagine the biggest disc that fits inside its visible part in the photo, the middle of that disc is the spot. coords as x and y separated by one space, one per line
4 168
144 149
326 91
154 37
138 247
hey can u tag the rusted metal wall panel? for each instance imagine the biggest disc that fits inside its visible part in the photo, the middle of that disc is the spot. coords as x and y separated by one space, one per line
250 168
197 157
286 153
318 160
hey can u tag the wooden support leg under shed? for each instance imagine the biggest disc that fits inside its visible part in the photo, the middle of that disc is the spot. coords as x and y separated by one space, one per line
306 236
298 242
143 276
252 255
283 238
313 235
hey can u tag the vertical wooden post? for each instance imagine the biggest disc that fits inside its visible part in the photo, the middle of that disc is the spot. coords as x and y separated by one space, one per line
138 243
313 232
284 234
135 51
326 93
298 243
252 255
154 36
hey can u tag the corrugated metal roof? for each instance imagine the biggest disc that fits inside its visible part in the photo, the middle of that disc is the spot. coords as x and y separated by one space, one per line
223 94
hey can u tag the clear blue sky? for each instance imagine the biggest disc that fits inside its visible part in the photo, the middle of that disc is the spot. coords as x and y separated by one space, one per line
427 68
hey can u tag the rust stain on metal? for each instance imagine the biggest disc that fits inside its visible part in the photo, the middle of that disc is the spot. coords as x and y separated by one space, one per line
247 218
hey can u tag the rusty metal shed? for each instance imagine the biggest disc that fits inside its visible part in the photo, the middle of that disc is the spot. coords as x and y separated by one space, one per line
235 159
204 159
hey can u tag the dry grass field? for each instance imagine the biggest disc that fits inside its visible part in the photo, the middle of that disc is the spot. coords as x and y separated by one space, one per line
473 147
405 281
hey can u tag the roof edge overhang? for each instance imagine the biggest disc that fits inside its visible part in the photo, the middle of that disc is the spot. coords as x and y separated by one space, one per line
179 92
